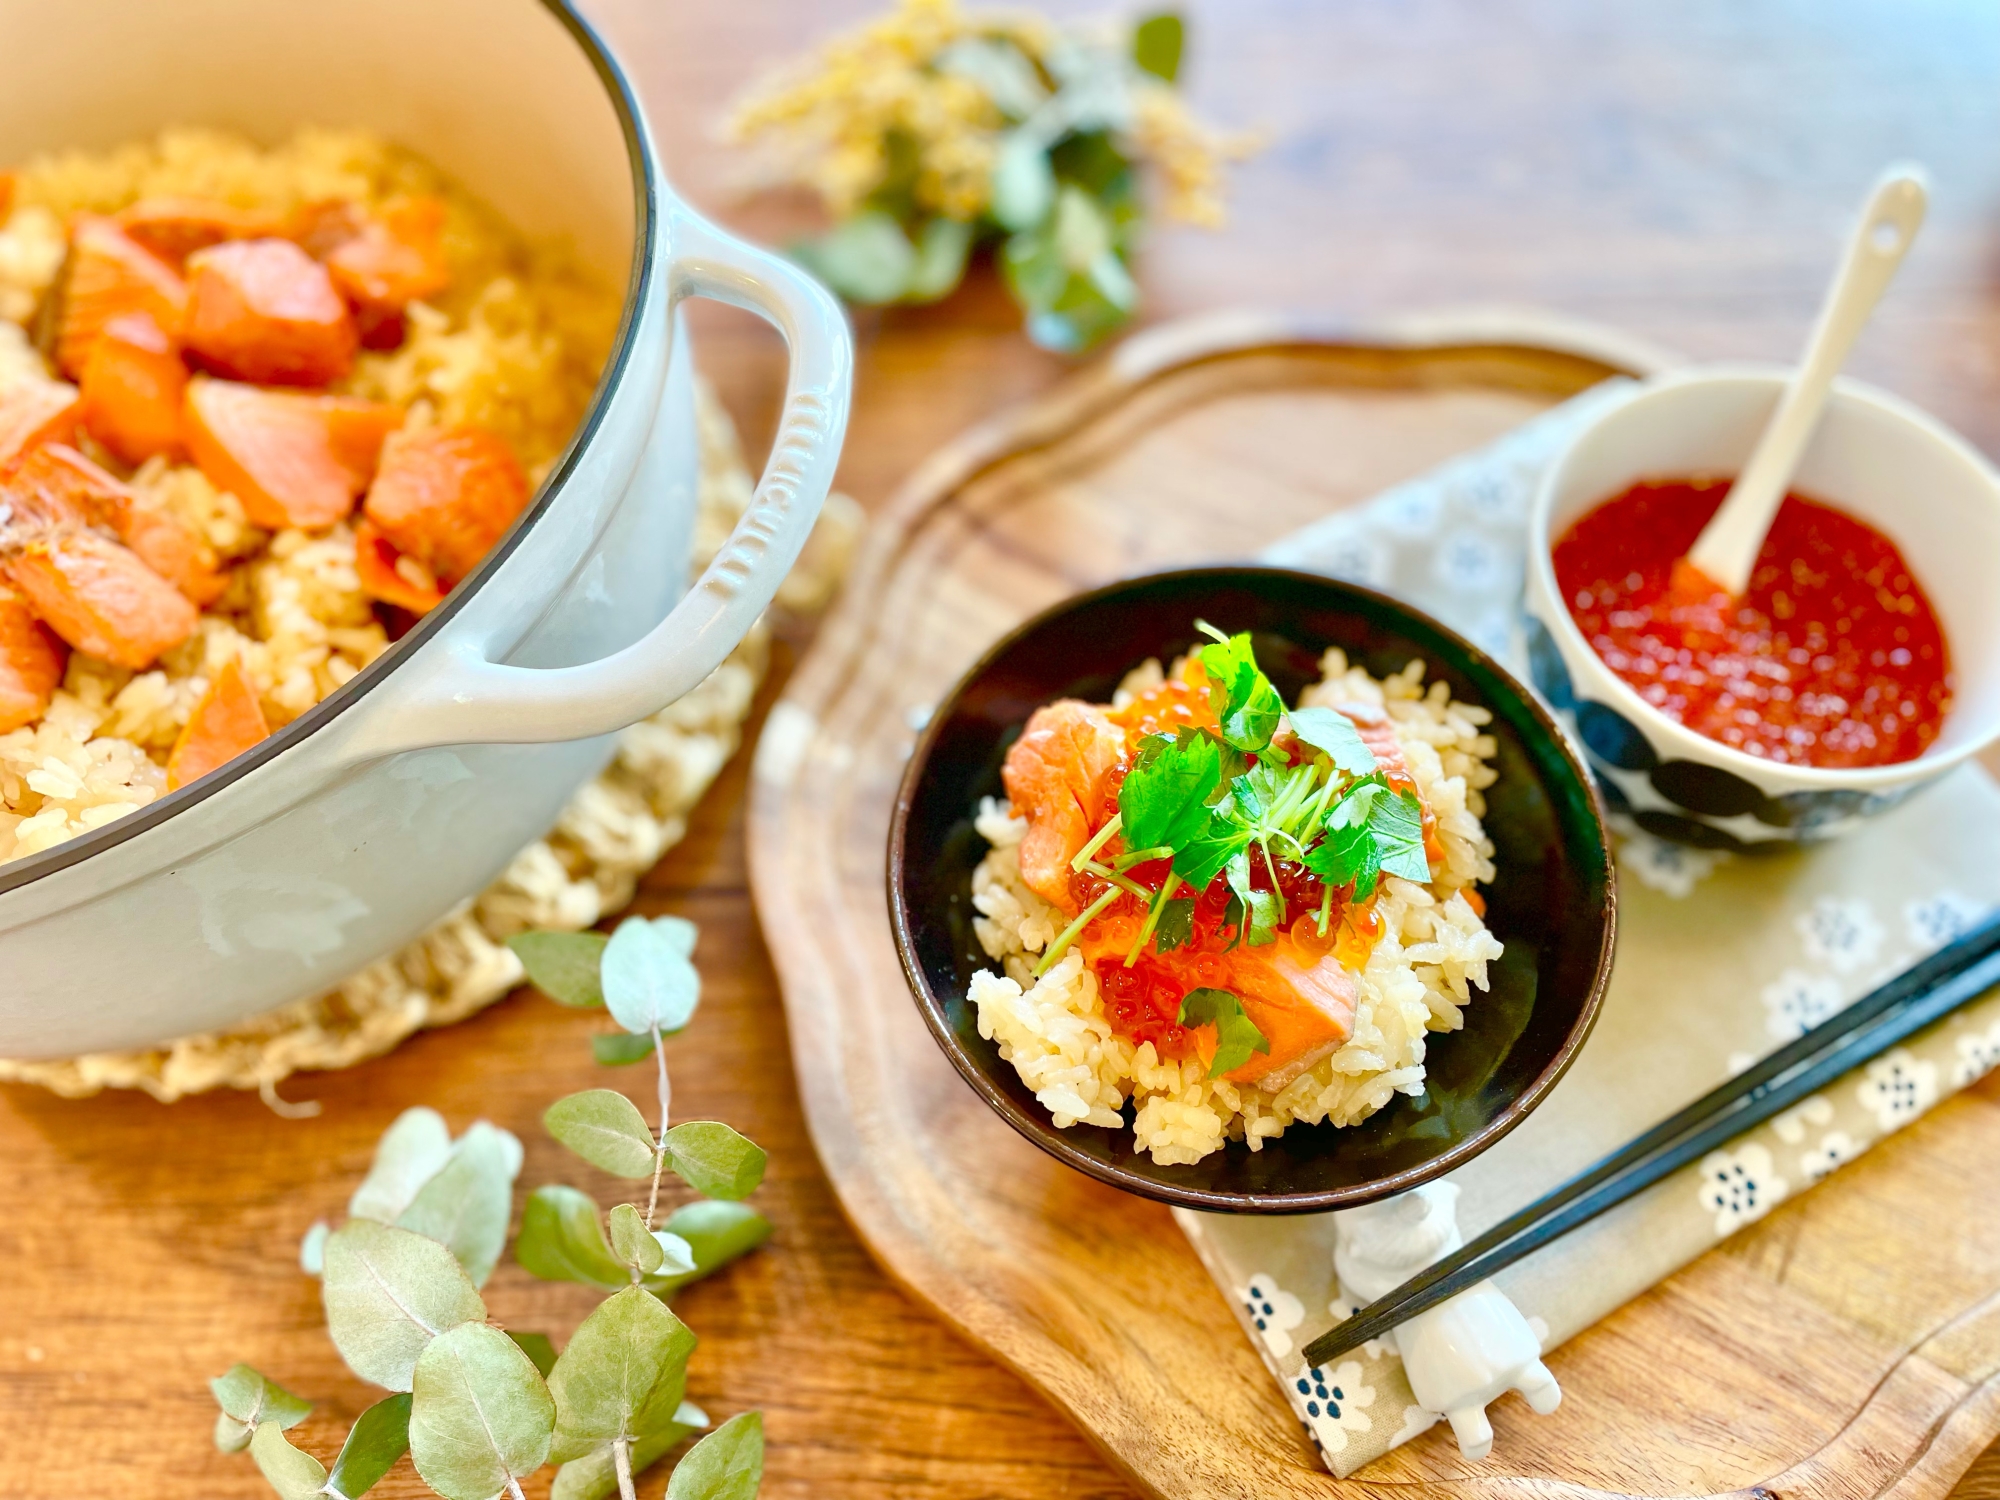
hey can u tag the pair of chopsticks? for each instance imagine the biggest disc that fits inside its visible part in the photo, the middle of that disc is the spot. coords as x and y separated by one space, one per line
1912 1000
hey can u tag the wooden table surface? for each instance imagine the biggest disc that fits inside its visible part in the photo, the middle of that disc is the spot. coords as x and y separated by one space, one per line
1682 171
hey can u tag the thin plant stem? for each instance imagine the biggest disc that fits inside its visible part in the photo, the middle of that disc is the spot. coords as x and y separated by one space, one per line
1098 841
660 1146
514 1489
621 1456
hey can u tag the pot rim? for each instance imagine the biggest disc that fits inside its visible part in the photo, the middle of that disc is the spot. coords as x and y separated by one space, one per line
646 214
1690 745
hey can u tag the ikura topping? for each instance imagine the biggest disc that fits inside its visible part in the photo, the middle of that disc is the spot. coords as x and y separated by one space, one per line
1833 657
1217 858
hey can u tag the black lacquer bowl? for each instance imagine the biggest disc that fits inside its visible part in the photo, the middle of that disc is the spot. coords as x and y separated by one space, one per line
1552 905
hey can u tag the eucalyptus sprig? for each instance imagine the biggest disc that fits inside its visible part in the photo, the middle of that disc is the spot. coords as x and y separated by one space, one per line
479 1408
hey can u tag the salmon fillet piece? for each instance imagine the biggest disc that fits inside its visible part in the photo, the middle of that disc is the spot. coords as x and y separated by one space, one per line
265 311
133 382
396 258
98 596
174 228
1304 1007
34 412
293 459
109 274
388 575
226 721
445 495
58 486
32 658
1055 777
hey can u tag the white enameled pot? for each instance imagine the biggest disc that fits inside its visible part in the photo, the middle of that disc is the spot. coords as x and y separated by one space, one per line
358 825
1873 456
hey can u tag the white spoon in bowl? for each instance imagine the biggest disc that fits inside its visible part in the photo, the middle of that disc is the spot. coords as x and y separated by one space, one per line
1727 548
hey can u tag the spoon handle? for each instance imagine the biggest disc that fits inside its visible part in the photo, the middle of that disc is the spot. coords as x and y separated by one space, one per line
1727 548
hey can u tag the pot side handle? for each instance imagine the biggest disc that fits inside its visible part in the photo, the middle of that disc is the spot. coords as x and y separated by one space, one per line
466 699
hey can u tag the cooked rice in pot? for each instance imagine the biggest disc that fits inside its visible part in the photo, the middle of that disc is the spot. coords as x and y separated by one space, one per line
513 346
1417 979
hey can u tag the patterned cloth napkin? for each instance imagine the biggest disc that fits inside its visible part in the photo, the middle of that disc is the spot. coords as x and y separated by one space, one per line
1720 960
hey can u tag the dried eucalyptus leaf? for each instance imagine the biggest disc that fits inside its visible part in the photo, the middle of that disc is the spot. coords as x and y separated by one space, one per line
293 1474
1024 184
999 68
561 1239
563 965
248 1399
379 1437
466 1205
942 247
649 978
676 1255
312 1248
866 259
681 933
389 1292
632 1242
480 1415
728 1464
713 1159
604 1128
1156 45
616 1049
596 1476
408 1156
541 1351
622 1375
716 1233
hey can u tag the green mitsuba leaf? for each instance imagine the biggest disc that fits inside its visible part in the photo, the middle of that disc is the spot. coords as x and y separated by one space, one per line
632 1242
596 1476
617 1049
480 1415
1156 45
562 1239
1176 925
713 1159
1247 708
409 1154
1347 856
649 980
1210 852
465 1206
621 1376
379 1437
728 1464
388 1293
295 1475
1333 732
604 1128
248 1400
1236 1035
1164 799
1397 821
541 1351
563 965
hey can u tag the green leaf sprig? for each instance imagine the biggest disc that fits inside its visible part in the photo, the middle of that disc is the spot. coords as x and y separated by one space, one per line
478 1408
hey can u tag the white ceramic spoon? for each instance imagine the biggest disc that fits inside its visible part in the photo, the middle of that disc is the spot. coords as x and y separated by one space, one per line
1728 545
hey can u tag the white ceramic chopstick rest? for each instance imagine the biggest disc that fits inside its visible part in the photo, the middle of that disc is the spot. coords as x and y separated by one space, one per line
1463 1353
1726 551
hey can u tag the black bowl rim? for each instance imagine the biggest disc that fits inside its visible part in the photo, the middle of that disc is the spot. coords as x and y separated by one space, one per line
1038 1129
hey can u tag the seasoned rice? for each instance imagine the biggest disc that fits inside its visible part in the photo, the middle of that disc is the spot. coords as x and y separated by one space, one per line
514 346
1418 978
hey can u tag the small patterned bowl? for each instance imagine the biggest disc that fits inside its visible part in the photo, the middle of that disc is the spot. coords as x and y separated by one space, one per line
1874 456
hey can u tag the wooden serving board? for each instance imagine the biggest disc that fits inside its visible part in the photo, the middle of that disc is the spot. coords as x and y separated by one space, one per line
1845 1346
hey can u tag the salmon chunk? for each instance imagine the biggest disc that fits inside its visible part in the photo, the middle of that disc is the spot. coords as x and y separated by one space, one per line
445 495
98 596
321 227
292 459
109 274
388 575
174 228
133 381
1055 776
34 412
226 721
62 487
1304 1007
396 258
31 663
265 311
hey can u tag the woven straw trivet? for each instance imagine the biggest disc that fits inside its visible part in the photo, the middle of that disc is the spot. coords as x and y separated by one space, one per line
588 866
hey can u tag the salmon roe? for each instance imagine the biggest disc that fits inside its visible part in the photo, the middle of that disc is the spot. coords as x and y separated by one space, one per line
1832 657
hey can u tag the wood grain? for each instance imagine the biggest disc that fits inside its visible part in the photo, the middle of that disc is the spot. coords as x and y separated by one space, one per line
1680 171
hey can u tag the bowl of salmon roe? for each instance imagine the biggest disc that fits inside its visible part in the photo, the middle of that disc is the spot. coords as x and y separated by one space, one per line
1861 663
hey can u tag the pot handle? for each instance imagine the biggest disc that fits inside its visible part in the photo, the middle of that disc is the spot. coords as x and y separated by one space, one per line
466 699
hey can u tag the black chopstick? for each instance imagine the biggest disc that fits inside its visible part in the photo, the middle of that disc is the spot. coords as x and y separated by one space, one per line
1912 1000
